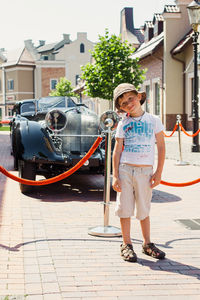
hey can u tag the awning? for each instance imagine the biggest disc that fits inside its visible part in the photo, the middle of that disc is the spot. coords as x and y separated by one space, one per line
182 44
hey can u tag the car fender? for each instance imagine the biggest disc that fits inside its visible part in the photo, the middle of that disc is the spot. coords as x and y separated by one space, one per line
34 144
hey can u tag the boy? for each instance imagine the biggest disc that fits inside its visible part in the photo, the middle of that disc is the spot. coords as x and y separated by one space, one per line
133 159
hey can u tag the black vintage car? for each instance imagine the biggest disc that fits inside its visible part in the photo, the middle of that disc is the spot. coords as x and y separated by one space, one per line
50 135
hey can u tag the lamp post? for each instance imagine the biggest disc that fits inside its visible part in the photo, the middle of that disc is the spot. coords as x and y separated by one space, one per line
194 18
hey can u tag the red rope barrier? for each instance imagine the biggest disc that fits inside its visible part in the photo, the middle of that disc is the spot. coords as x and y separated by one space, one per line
56 178
76 167
175 127
5 122
180 184
191 135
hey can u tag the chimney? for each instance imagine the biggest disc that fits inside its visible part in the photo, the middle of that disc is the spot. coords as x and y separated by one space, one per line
30 47
66 38
41 43
81 35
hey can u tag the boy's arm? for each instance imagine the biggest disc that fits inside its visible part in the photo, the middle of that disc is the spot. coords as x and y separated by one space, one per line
156 178
115 164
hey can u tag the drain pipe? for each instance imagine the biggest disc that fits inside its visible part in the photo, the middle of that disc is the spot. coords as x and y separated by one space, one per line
183 64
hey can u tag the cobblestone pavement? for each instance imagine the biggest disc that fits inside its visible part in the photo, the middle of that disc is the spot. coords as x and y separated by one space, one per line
46 252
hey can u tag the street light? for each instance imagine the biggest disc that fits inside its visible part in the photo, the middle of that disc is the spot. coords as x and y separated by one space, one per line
194 18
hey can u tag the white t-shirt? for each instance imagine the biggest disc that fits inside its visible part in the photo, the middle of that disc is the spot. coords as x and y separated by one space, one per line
139 138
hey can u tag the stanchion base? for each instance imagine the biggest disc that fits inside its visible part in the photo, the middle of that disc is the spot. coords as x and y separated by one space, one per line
181 163
107 231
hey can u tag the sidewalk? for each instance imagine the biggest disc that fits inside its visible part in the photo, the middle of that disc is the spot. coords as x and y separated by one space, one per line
46 252
172 148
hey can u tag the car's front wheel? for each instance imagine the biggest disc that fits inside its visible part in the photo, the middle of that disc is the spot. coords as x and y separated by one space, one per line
27 170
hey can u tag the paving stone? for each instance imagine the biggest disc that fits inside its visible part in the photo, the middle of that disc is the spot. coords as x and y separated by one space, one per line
46 252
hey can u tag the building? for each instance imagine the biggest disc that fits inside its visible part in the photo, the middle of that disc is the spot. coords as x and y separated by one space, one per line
16 79
34 71
167 54
128 32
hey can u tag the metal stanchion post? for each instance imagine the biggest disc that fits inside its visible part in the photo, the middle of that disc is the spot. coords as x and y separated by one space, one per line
106 197
180 162
106 230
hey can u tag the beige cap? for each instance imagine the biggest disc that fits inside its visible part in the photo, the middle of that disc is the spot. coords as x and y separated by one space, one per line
125 88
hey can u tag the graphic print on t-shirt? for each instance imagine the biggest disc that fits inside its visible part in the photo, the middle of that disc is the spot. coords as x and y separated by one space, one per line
137 136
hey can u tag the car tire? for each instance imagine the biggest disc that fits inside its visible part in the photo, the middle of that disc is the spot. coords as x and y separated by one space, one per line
27 170
16 162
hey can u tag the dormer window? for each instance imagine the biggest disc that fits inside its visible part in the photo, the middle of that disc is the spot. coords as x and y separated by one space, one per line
158 24
158 28
82 48
148 31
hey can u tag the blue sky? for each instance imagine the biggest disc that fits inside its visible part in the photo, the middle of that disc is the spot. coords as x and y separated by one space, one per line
48 20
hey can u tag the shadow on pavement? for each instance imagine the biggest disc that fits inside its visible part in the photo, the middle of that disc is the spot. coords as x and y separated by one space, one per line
161 197
77 187
165 265
85 188
171 266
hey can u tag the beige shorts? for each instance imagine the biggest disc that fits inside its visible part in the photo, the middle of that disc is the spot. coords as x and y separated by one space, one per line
136 192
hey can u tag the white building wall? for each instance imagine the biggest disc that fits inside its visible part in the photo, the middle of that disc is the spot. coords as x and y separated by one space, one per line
74 58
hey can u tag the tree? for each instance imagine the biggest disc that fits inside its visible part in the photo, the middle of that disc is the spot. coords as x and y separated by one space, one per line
63 88
112 65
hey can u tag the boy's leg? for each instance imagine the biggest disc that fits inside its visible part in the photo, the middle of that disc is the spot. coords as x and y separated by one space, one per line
126 229
145 227
148 247
126 248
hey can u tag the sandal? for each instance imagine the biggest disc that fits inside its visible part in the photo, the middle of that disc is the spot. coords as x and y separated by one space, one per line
151 250
128 253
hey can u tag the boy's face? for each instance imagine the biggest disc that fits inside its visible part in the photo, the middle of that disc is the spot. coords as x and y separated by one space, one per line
130 102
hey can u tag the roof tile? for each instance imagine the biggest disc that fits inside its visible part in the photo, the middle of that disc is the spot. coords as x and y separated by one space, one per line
171 9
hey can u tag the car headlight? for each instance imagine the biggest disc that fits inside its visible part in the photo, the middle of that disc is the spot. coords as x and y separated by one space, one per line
56 120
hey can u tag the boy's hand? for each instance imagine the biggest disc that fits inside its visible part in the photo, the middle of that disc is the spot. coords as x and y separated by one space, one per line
116 185
155 179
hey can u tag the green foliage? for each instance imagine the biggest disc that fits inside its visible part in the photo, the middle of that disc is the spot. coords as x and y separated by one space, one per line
63 88
112 65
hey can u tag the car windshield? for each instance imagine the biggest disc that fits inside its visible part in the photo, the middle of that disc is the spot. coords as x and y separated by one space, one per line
47 103
27 107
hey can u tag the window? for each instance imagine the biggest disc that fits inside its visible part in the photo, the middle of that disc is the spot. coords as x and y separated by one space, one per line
147 104
9 112
155 29
157 99
146 35
53 83
27 107
77 79
82 48
10 84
